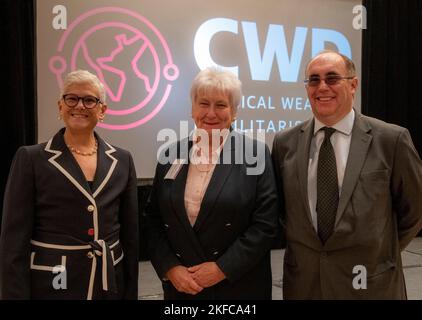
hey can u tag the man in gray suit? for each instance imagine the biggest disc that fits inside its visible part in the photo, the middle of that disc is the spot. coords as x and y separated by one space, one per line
351 192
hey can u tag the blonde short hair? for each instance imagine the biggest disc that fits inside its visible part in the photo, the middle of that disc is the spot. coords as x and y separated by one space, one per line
217 79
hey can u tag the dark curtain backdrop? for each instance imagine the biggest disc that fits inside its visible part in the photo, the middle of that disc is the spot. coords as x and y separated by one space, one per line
392 64
18 85
390 80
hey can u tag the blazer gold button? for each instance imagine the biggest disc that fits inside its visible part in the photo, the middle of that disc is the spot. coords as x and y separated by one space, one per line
90 255
90 208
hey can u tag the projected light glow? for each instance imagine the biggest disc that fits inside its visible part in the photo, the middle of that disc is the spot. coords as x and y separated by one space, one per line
275 47
106 64
147 52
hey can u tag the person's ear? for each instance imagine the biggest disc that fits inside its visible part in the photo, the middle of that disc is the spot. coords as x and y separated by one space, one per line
234 112
102 112
354 85
59 105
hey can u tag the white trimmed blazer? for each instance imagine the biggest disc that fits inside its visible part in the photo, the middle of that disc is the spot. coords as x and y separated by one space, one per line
62 238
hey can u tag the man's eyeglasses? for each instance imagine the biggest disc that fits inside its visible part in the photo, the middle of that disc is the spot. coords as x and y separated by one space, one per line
72 100
329 80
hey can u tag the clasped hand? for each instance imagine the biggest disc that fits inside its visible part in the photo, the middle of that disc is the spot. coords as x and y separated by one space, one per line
194 279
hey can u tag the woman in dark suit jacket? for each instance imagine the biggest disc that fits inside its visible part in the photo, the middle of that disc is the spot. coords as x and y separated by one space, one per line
211 225
70 221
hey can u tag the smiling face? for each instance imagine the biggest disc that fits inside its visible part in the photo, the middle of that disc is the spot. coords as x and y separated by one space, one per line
211 109
332 103
80 118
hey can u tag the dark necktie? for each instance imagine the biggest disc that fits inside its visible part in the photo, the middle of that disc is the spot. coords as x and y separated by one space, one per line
327 187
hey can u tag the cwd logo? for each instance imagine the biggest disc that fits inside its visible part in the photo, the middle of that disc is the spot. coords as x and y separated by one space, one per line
128 54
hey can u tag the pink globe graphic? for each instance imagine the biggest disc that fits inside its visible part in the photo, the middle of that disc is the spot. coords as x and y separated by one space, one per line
148 72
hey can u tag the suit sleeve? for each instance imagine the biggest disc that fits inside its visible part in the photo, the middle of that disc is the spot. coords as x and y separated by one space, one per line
275 155
17 225
407 189
256 241
162 256
129 234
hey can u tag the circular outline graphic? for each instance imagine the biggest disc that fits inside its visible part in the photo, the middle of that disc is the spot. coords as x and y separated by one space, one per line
167 67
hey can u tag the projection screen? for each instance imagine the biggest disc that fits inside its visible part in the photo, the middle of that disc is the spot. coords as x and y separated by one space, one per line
147 52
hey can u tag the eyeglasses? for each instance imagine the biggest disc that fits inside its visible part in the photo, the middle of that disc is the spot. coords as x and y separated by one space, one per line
72 100
330 80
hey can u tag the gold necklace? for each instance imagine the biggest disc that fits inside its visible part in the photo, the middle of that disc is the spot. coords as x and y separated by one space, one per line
77 151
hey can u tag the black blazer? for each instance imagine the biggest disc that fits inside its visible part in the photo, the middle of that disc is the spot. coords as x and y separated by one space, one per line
235 227
52 217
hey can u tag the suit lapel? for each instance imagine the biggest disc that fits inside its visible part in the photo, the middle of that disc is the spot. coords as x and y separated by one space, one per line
303 147
63 160
106 164
177 195
361 140
219 176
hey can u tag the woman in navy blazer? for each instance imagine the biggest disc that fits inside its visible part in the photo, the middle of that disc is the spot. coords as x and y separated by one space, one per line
70 220
212 217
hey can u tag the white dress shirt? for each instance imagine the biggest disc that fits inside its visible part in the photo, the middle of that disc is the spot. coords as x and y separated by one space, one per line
340 141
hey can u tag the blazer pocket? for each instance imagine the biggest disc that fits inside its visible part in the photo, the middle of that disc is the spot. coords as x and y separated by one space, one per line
376 176
381 268
47 262
117 254
372 185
